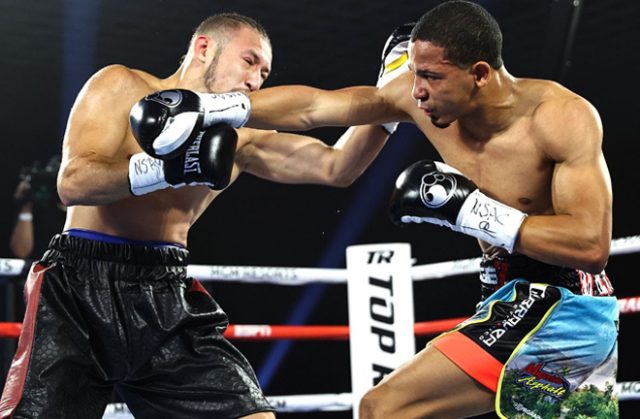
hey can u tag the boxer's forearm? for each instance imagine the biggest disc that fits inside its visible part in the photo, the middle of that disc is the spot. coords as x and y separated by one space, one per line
21 242
93 180
566 240
299 108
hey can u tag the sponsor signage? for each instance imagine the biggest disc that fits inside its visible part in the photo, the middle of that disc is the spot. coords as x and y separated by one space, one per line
381 319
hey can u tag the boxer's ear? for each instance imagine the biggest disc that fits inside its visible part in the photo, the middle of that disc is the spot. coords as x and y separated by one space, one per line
201 46
481 72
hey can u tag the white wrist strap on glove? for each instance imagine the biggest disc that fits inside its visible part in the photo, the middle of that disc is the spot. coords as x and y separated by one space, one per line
489 220
146 174
232 108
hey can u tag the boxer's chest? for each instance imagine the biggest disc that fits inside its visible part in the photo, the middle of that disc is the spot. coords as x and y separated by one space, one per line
509 167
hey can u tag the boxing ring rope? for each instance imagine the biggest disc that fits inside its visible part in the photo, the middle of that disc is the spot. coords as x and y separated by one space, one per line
300 276
268 332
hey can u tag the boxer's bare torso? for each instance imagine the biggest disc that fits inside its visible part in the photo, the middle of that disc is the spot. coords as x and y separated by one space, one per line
98 142
524 158
165 215
531 144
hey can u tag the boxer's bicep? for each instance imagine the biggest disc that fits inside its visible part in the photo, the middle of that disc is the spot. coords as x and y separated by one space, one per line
581 185
582 190
362 105
578 233
582 198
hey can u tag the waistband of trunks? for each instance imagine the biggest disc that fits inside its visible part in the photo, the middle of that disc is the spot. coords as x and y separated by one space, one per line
497 271
127 252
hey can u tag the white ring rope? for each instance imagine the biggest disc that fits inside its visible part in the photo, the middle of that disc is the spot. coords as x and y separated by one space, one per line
283 404
337 402
301 276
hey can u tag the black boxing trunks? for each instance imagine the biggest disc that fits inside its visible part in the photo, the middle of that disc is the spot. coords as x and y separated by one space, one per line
540 347
112 314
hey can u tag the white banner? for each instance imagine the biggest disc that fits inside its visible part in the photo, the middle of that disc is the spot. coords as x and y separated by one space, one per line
380 294
10 267
629 390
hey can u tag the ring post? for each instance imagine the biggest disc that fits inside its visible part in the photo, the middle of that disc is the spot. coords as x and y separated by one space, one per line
380 295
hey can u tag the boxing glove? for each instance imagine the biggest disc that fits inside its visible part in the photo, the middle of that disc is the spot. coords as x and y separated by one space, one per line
166 122
395 61
207 161
432 192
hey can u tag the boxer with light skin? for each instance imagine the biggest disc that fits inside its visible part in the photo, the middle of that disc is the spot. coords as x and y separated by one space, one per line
115 281
524 174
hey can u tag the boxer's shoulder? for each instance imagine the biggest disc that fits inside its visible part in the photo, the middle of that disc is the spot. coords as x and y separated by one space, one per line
559 120
124 82
544 97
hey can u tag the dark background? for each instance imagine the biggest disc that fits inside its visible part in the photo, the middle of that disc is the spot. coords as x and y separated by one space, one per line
49 48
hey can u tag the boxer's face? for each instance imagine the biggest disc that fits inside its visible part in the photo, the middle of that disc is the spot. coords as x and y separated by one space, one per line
243 64
443 89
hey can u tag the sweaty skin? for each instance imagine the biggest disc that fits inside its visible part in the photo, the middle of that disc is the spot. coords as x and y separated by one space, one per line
98 143
93 181
531 144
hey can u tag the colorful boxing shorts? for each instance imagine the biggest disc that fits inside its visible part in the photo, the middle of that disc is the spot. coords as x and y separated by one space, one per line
497 271
105 314
545 350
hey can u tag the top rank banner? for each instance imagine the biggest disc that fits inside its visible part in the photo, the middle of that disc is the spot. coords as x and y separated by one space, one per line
380 297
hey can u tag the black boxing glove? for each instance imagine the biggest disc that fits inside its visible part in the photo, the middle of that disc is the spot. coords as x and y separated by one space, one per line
166 122
207 161
433 192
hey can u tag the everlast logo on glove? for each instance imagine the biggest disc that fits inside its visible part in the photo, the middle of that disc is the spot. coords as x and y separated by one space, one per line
208 160
192 156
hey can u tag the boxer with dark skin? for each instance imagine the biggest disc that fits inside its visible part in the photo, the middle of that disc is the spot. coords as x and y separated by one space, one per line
161 346
534 150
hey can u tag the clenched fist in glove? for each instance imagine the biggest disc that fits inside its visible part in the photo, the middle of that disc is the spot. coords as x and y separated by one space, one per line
433 192
165 123
207 161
